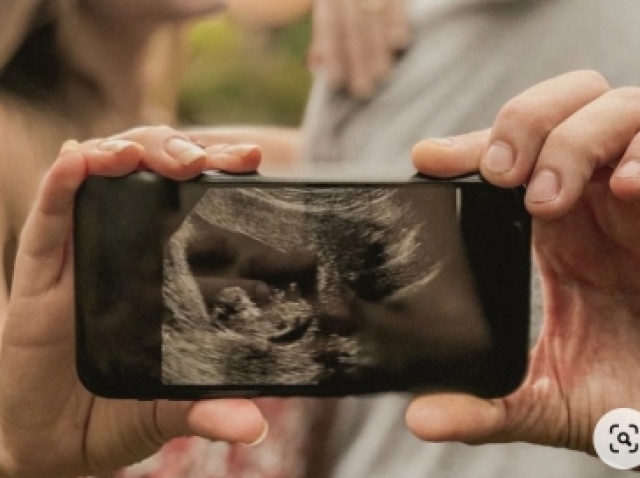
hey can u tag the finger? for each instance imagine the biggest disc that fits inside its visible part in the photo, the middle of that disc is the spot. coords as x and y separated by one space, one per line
232 420
233 158
111 157
596 136
166 151
357 40
326 52
156 149
453 417
625 181
371 37
43 241
450 157
524 123
398 30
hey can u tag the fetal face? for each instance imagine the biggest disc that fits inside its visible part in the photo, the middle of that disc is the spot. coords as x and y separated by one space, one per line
297 286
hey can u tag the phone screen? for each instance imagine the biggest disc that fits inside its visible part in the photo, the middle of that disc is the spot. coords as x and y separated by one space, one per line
244 287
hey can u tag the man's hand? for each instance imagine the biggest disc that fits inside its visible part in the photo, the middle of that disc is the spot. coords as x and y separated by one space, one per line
574 142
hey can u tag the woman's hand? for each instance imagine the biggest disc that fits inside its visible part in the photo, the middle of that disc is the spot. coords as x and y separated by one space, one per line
355 42
51 426
574 141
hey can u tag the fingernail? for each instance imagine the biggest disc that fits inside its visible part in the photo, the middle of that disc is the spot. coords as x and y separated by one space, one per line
242 149
629 170
544 187
184 151
448 142
261 438
70 145
118 145
239 149
499 158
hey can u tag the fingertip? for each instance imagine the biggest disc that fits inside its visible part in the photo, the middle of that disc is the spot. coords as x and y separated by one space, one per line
362 88
335 79
503 165
443 157
453 417
261 438
625 180
121 146
70 145
184 151
551 194
232 420
236 158
175 170
425 419
498 162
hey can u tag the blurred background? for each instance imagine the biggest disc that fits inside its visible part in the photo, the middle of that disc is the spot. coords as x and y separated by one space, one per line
241 71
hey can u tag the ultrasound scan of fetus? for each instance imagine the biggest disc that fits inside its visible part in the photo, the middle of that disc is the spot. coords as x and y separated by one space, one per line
307 285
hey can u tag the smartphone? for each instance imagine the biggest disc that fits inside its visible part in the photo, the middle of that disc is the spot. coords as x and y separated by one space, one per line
250 286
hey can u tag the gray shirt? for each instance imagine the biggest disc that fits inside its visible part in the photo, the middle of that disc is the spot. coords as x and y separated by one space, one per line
468 57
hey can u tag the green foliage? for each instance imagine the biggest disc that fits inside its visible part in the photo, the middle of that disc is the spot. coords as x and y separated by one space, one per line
238 75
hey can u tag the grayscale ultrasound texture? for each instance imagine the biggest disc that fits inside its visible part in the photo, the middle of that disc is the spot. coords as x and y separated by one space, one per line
274 285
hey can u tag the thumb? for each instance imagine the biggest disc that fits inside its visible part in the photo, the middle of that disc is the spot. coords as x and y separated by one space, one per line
456 417
450 157
42 248
126 431
233 420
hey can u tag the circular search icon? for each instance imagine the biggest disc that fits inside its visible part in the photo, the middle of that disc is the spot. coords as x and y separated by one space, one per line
616 438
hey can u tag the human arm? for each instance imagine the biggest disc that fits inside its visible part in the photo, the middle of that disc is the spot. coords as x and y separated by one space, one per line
573 140
51 426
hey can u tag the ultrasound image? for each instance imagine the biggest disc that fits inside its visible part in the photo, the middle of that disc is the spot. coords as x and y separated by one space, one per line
299 286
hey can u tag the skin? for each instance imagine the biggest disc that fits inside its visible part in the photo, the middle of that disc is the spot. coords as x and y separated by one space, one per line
46 408
268 14
42 404
111 60
584 237
354 42
574 142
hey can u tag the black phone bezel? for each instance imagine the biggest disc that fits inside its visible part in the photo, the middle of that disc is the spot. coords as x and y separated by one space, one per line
138 200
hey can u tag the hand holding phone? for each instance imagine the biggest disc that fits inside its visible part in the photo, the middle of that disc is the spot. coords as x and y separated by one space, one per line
51 425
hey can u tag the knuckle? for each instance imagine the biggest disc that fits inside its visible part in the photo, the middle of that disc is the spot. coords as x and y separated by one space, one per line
515 111
525 115
563 137
165 130
566 142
